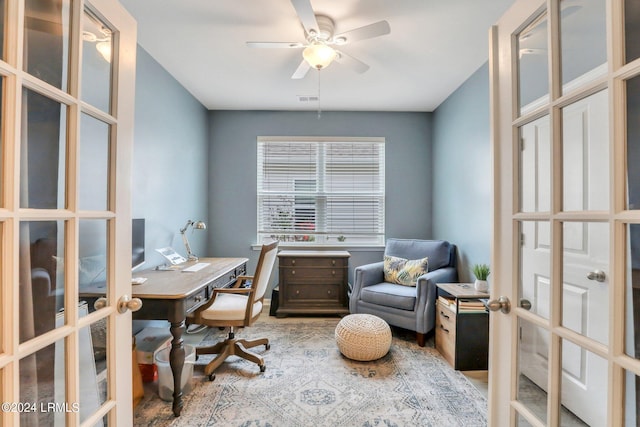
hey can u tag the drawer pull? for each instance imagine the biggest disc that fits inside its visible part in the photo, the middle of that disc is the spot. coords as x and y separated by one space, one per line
444 329
293 262
329 292
333 272
293 272
297 292
333 262
443 315
198 298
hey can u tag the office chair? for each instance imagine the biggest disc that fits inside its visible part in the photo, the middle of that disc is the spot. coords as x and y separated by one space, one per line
237 306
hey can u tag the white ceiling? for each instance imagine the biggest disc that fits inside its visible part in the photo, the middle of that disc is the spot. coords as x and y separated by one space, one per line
434 46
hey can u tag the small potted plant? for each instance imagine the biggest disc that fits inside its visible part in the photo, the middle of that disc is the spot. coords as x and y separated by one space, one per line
481 271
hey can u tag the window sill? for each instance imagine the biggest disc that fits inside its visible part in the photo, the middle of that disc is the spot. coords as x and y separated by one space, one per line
354 248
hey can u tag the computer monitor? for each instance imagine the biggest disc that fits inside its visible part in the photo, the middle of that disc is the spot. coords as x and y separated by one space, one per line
137 243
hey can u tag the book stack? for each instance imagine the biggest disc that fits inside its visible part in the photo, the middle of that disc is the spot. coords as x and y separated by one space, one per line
449 303
471 306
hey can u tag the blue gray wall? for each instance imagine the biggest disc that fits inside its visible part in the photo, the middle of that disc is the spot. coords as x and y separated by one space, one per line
233 169
462 172
171 144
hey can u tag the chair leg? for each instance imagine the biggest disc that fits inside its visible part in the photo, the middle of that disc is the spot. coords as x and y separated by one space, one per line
218 360
240 351
255 343
421 338
214 349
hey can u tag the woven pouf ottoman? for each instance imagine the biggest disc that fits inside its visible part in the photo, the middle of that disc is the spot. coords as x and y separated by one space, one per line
363 337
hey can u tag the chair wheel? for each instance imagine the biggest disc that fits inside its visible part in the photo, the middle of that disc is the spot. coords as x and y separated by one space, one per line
212 377
267 346
263 368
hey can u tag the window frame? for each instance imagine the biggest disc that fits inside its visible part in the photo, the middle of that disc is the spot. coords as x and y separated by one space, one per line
322 219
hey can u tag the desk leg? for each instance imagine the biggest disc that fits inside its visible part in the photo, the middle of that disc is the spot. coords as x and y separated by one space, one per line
176 359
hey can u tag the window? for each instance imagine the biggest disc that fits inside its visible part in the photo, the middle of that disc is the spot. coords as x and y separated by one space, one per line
321 191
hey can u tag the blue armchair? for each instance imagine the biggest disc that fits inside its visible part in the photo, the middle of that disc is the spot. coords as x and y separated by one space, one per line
408 307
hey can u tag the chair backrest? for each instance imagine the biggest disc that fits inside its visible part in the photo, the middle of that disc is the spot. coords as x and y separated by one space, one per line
263 270
440 252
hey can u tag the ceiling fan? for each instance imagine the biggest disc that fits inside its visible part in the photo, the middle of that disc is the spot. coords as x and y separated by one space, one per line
319 46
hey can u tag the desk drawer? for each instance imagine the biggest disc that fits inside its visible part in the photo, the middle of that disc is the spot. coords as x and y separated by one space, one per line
314 262
313 293
318 275
196 300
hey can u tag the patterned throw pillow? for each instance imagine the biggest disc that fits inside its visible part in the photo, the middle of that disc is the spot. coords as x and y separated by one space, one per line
404 271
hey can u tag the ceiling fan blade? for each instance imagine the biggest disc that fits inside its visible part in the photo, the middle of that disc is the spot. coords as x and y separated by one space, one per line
351 62
376 29
301 71
306 15
276 45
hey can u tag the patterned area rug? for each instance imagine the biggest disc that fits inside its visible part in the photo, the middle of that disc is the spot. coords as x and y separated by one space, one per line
309 383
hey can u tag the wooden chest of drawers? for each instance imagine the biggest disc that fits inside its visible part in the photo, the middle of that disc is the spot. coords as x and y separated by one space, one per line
313 282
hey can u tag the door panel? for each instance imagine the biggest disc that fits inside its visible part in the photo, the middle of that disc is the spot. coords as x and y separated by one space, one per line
566 218
65 221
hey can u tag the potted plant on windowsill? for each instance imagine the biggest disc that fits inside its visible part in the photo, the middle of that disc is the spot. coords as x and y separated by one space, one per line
481 271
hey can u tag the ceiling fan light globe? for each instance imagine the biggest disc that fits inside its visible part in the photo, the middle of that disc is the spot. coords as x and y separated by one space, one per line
319 55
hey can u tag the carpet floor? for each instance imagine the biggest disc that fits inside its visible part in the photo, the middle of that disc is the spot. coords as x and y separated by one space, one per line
308 382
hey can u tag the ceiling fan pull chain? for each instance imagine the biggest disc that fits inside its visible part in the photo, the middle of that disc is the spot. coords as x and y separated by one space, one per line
319 110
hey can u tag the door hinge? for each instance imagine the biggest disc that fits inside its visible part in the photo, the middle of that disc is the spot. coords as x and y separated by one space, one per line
521 239
521 144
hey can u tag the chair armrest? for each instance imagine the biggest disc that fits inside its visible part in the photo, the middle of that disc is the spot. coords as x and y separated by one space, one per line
368 274
364 275
232 291
426 293
240 280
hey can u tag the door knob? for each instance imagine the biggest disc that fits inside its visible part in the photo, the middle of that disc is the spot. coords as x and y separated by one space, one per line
525 303
127 303
100 303
503 304
597 275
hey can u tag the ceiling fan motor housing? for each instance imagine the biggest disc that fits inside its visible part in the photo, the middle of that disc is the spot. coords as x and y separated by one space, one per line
325 29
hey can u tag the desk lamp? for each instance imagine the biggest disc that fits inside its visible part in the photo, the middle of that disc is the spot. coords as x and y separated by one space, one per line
196 225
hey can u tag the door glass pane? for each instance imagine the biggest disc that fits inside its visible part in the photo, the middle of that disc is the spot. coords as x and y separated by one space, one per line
46 41
632 317
585 271
92 274
535 166
94 157
2 143
41 276
93 366
631 401
633 143
585 148
96 62
521 421
584 387
583 41
632 29
535 266
2 26
42 382
533 65
42 152
533 362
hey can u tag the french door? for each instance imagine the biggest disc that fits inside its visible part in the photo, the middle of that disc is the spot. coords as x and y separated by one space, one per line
67 69
565 91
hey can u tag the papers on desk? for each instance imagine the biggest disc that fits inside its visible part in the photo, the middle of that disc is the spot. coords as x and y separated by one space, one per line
195 267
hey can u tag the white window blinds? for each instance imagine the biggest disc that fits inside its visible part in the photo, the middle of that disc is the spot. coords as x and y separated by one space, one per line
321 191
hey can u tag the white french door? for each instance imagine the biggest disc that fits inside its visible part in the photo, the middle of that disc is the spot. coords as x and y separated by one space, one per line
565 95
67 69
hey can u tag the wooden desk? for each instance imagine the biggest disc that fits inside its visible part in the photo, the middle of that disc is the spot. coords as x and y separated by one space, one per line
171 295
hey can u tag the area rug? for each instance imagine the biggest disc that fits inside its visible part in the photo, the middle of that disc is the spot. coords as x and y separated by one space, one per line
308 382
